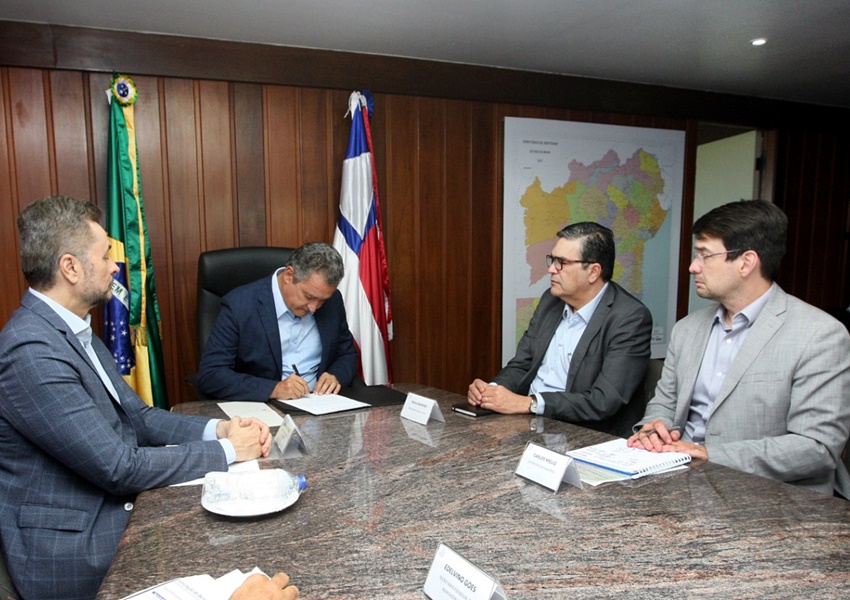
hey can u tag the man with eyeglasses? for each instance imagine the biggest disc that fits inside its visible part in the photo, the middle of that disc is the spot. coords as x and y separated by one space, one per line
584 354
759 382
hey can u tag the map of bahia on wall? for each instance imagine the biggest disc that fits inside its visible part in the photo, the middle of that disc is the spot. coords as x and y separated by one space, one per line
626 178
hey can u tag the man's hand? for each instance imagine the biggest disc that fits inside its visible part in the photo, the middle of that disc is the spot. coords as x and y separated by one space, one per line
260 587
475 393
657 437
290 388
250 437
502 400
327 384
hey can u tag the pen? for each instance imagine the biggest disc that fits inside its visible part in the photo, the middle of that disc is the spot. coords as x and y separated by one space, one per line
295 368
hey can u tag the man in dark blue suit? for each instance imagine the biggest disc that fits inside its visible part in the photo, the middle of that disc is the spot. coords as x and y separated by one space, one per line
76 442
282 336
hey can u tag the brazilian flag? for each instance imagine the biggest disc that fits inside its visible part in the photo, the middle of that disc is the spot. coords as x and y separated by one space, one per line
131 318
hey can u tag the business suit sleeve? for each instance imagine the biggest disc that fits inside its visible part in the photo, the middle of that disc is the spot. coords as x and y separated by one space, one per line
232 366
610 372
663 404
795 421
56 401
341 352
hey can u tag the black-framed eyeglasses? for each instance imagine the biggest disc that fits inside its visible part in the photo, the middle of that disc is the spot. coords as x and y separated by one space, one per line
560 262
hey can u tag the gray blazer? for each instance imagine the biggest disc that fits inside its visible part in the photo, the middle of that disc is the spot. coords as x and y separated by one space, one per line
73 459
604 388
783 410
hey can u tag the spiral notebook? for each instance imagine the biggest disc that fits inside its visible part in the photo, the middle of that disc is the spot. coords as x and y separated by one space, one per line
633 462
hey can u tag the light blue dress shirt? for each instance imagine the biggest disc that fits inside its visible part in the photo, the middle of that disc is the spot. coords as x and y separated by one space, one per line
724 342
554 370
300 343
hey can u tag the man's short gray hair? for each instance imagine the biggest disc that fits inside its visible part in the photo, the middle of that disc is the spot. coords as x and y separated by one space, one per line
49 228
317 257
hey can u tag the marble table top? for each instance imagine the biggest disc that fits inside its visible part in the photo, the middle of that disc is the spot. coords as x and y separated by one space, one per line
383 492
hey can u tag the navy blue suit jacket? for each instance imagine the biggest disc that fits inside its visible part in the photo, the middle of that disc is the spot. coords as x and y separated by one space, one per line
242 359
72 459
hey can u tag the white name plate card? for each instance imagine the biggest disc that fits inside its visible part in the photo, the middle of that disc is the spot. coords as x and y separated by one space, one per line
452 577
548 468
420 409
288 442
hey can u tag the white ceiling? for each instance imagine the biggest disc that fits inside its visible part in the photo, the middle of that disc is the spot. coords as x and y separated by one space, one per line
695 44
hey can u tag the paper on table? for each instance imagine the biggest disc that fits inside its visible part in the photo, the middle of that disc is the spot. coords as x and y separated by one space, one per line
322 405
246 410
242 467
196 587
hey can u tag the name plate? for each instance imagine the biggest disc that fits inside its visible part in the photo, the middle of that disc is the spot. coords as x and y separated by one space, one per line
452 577
420 409
288 442
548 468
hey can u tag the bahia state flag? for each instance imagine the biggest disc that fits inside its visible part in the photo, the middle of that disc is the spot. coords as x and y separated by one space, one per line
365 288
131 317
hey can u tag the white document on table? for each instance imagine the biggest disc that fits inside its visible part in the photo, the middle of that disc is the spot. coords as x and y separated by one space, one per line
196 587
316 404
257 410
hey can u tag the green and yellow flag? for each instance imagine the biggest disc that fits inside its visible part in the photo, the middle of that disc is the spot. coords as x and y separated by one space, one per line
131 318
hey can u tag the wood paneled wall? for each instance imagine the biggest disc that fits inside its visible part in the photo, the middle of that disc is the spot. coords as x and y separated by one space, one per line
242 144
812 186
235 164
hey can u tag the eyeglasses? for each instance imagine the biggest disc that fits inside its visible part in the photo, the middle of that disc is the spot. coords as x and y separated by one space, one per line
560 262
703 257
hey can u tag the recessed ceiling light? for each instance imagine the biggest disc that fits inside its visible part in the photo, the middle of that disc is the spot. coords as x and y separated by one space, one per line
758 42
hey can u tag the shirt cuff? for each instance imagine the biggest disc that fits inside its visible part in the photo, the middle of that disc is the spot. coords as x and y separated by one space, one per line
541 403
226 445
229 450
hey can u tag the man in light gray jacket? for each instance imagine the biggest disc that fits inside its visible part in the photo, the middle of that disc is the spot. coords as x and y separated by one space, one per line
760 381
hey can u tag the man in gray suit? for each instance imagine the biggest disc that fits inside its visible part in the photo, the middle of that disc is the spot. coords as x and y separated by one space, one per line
76 443
584 354
760 381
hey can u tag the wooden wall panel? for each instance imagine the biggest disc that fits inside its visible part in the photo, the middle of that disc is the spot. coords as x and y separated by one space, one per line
283 165
184 199
31 150
813 188
74 169
400 202
484 277
431 242
318 206
460 235
13 284
216 166
250 167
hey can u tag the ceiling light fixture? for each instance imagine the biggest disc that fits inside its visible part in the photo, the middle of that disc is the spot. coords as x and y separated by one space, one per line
758 42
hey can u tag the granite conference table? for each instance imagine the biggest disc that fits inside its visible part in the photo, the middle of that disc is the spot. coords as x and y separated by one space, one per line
384 492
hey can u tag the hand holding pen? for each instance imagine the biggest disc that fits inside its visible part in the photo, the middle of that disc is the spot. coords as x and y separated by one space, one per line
292 387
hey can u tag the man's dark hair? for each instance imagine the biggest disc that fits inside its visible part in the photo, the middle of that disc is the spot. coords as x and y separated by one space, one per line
317 257
754 225
597 244
49 228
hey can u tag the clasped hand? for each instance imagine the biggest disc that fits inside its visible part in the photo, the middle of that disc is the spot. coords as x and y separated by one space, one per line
250 437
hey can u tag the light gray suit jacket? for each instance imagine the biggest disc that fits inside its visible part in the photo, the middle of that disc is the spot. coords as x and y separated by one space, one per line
604 388
783 410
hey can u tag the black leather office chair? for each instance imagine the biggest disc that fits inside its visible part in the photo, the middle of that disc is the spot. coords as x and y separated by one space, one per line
220 271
